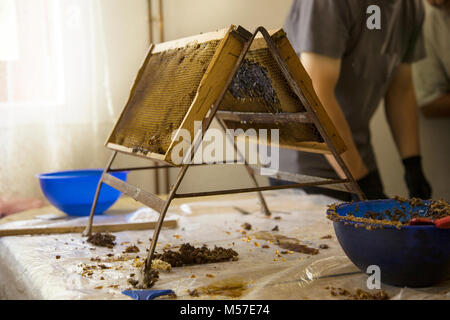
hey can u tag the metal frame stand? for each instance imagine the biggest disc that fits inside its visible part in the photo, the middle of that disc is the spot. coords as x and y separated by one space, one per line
299 181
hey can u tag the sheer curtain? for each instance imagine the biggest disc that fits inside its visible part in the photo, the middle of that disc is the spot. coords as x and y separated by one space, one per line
66 67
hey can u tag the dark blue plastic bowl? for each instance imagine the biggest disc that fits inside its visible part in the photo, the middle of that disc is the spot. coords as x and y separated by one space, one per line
414 256
73 191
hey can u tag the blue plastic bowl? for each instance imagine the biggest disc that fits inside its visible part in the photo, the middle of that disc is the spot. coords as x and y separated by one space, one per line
413 256
73 191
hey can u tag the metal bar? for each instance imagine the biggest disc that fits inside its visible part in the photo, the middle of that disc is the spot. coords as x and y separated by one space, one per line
167 176
151 251
156 166
139 168
169 166
137 194
263 202
292 83
88 231
266 188
150 9
161 39
296 177
156 178
161 22
264 118
150 20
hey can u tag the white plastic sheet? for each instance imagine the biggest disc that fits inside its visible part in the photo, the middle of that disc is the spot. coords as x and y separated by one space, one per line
29 268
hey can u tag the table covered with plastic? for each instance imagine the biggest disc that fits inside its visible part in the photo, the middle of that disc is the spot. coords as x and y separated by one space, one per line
66 266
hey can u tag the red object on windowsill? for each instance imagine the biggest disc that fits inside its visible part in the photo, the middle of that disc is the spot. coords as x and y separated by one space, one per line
442 223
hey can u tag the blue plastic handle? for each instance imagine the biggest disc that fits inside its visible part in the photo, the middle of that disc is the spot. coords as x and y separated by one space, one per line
146 294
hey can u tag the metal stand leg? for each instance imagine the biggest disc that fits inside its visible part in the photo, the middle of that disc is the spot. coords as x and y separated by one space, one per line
264 207
348 175
148 261
88 231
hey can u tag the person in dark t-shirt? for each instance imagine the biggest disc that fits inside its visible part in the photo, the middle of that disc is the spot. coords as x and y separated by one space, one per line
358 52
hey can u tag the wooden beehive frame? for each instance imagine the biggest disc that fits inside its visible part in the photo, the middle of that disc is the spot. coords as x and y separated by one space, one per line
212 82
205 108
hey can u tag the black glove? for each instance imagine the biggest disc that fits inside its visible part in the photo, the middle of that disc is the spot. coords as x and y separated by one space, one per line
418 186
372 186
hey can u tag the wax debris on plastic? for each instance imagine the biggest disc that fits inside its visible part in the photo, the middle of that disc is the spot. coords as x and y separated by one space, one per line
21 258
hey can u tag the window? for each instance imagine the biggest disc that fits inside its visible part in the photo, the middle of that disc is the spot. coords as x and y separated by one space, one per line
31 56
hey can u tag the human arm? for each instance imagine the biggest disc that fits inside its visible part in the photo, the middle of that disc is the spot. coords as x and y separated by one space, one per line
324 72
401 112
402 116
439 107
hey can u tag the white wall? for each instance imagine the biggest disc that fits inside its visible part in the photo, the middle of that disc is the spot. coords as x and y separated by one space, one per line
435 142
435 149
184 18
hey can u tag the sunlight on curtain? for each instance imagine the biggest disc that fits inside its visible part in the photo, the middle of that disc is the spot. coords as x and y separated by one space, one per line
65 71
8 31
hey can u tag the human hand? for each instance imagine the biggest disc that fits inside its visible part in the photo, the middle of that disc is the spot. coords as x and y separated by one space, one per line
416 182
